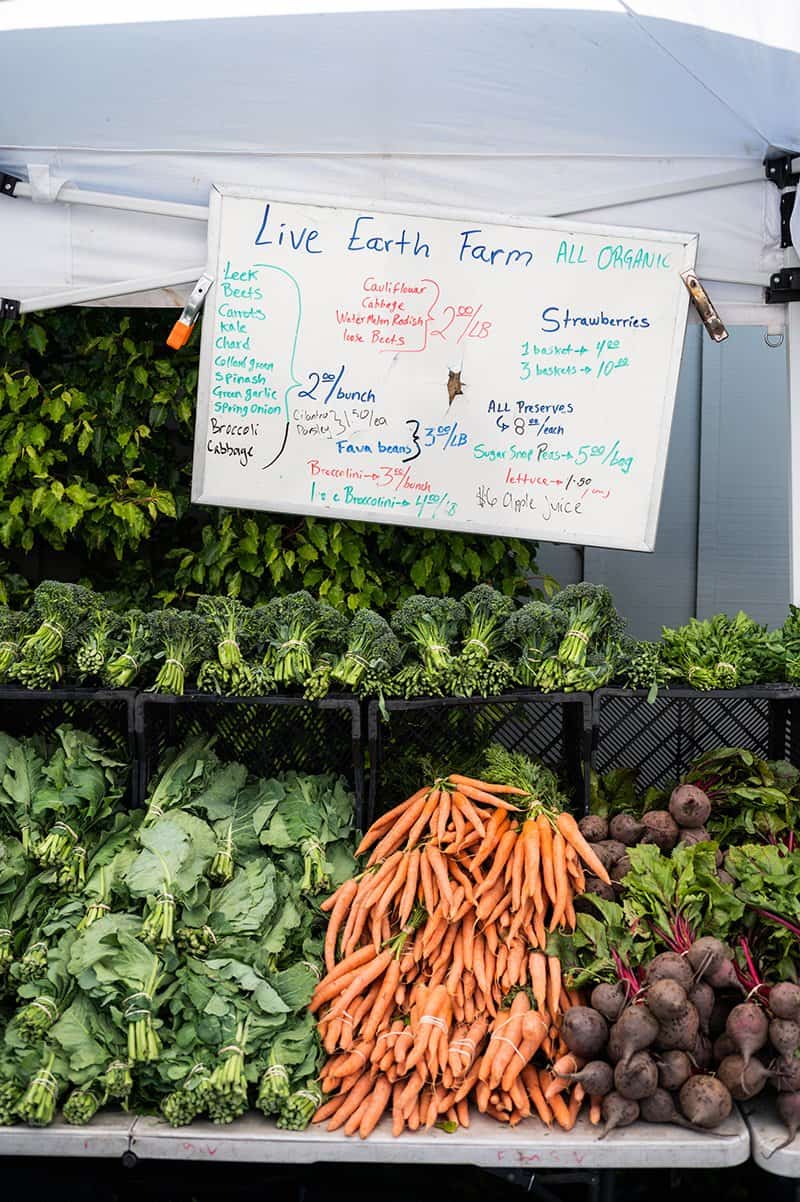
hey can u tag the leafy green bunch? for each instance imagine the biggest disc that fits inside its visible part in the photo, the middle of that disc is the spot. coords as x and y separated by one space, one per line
723 652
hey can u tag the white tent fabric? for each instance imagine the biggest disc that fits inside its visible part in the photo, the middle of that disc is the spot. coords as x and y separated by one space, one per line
605 110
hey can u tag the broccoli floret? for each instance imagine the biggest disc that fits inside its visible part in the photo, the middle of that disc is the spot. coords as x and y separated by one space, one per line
373 650
293 629
487 611
432 625
577 597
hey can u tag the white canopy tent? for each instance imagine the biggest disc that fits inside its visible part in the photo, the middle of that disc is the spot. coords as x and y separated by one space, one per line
649 113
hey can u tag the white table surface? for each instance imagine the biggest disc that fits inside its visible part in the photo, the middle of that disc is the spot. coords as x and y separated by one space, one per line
485 1143
107 1135
766 1133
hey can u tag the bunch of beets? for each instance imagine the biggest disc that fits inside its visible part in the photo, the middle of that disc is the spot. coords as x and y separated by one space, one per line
684 822
681 1049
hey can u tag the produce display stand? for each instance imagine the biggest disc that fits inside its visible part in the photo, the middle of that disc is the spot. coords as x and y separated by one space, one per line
767 1132
553 727
662 737
485 1144
268 735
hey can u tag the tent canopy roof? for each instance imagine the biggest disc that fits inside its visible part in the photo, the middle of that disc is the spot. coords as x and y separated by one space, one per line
527 108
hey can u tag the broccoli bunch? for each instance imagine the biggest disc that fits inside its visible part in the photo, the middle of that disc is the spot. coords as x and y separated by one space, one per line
372 653
591 621
131 647
11 629
486 614
536 631
479 667
430 626
640 666
56 613
183 639
298 632
232 629
95 640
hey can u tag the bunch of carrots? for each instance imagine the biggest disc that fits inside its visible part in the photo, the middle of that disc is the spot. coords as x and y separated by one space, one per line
439 989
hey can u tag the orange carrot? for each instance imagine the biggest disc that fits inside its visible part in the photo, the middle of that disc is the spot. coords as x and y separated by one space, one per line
475 794
562 1113
382 824
595 1111
503 850
400 829
409 893
495 827
427 881
571 832
437 863
423 820
346 894
517 873
327 1109
546 856
364 978
375 1107
459 826
384 1001
352 1102
554 985
398 1122
561 880
409 1097
530 1079
443 816
486 786
463 805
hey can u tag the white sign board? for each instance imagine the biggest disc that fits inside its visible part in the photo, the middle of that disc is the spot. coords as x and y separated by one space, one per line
434 369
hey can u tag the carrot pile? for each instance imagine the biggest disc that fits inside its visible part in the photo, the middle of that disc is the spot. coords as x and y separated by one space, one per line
439 989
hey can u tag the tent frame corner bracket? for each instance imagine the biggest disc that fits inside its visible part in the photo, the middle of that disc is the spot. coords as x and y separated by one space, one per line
8 183
783 170
784 286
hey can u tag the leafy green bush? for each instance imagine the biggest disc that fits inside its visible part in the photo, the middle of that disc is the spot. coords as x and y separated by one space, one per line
96 427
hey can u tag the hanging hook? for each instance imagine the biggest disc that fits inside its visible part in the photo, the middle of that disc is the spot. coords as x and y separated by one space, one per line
768 335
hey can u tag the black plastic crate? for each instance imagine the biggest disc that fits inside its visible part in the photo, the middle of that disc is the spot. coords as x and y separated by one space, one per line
106 713
267 734
451 731
664 736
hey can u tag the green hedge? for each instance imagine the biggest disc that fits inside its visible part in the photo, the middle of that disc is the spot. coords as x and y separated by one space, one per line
96 426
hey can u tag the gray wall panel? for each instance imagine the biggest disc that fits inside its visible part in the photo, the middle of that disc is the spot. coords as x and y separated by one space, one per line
743 546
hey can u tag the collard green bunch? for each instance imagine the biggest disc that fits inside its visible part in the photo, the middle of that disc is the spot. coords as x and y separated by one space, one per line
172 971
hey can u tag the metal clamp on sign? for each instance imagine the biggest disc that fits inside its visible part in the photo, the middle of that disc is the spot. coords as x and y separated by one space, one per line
182 330
702 303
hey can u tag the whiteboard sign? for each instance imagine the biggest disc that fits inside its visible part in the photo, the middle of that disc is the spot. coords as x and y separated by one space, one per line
436 369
